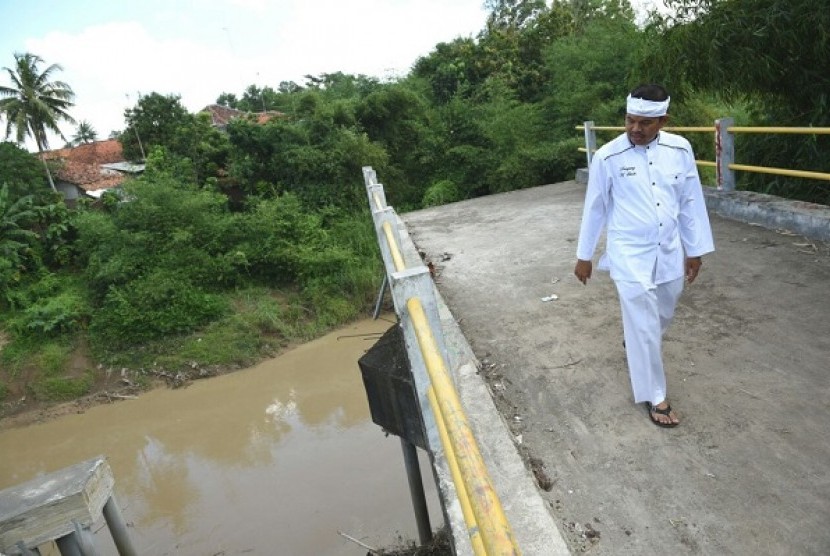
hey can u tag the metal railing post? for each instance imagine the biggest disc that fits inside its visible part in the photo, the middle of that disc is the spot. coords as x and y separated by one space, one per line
416 490
724 154
118 528
68 545
590 141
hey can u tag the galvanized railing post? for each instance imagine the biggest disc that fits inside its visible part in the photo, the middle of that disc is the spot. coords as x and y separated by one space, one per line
590 141
724 154
416 490
118 528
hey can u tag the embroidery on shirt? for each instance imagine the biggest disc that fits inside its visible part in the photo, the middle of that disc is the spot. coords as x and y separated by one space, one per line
628 171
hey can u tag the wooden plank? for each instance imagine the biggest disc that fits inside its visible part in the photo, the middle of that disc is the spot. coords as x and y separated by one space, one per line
44 508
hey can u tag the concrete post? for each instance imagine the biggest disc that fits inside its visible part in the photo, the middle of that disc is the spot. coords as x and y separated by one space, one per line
370 177
724 154
590 142
373 191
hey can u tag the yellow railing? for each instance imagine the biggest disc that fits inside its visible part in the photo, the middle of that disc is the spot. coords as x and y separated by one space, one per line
487 526
740 129
771 130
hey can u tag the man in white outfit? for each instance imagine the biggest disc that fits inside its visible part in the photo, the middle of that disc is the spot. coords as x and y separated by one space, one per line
644 189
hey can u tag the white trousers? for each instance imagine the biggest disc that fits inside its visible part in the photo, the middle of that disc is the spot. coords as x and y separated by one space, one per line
647 312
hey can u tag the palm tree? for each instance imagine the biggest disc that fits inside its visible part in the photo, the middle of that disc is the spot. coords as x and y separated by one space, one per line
84 133
34 105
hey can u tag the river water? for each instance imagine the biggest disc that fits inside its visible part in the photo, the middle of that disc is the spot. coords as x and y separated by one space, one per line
276 459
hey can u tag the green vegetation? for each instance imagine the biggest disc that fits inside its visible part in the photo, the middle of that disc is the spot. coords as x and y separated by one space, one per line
84 133
235 243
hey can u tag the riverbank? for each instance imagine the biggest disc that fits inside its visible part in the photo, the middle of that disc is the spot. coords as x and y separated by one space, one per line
64 378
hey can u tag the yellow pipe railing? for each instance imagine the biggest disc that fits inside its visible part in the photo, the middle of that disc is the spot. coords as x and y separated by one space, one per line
730 129
457 478
781 171
743 129
495 531
397 258
667 128
795 130
378 201
487 526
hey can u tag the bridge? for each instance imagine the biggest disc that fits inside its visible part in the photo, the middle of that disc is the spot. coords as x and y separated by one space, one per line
545 379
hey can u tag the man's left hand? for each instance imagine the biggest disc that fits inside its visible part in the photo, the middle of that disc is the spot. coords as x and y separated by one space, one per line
692 268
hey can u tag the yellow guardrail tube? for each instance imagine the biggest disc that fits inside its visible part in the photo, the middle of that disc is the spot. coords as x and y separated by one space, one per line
496 534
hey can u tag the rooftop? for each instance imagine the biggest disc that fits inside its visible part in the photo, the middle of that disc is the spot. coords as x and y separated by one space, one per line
93 166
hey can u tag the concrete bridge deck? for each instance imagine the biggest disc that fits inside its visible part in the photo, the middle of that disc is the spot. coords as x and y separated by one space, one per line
748 365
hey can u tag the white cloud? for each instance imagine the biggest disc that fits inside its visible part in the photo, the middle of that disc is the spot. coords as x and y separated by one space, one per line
254 5
199 55
109 65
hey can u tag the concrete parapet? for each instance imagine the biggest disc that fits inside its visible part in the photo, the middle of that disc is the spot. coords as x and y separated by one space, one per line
808 219
533 526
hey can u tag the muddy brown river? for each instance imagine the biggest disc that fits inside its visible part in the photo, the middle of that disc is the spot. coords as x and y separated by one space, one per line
276 459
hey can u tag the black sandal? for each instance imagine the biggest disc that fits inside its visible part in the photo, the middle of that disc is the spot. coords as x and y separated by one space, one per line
652 409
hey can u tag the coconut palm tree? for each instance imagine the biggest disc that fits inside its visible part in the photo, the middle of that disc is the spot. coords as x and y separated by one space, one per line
34 104
84 133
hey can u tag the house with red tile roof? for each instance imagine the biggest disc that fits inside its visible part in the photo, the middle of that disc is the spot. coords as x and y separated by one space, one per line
90 169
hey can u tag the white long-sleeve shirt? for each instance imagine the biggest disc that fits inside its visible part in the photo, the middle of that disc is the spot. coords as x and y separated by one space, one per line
650 200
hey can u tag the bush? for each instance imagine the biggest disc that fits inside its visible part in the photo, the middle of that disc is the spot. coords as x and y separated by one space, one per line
441 193
151 307
63 312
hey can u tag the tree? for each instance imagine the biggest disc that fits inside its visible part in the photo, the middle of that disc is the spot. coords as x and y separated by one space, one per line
34 104
20 171
153 121
451 68
512 13
778 48
776 54
227 99
84 133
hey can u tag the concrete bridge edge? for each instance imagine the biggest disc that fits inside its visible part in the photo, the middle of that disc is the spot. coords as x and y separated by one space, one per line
533 525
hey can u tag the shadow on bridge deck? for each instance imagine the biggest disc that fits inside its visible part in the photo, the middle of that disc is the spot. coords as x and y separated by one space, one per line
748 365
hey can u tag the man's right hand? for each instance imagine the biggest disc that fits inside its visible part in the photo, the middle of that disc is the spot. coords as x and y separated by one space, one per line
582 271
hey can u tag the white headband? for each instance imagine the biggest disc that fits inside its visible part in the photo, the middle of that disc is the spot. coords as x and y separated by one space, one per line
643 107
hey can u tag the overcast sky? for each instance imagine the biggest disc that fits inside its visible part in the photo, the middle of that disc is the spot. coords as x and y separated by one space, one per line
113 50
